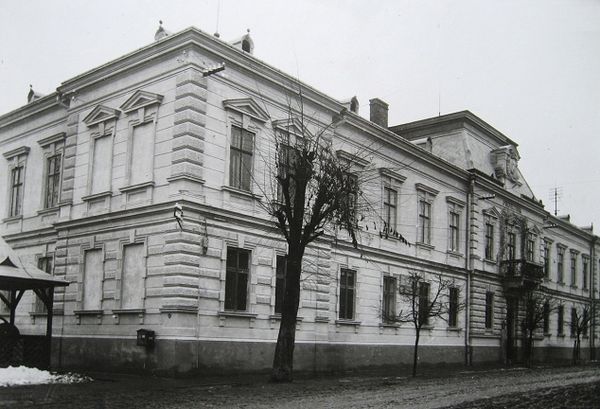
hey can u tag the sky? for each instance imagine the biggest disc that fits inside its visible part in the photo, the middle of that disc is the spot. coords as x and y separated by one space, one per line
530 68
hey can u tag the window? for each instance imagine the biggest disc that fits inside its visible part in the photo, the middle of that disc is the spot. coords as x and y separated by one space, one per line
389 298
352 186
529 250
142 153
424 303
489 241
390 202
454 224
585 262
546 256
560 320
584 323
101 156
280 272
93 277
52 188
489 310
286 163
132 279
546 318
573 269
347 284
240 166
236 279
453 307
424 221
17 175
560 263
45 264
573 321
511 246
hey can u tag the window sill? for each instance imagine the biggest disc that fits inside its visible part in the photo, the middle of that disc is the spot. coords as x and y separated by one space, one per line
240 192
427 327
48 210
95 196
321 319
547 334
389 325
426 246
137 186
184 309
347 322
129 311
573 286
277 317
237 314
560 336
454 329
13 218
38 314
88 312
489 261
454 253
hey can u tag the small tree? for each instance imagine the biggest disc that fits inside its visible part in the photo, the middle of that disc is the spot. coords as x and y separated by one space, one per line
422 307
315 190
538 306
580 320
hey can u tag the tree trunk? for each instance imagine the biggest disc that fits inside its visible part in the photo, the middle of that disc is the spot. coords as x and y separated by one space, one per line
529 361
283 360
416 353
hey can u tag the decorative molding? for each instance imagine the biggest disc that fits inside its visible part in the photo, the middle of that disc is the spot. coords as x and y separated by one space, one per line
343 155
247 106
99 195
292 125
136 186
100 113
455 201
59 137
22 150
427 189
491 212
140 99
391 174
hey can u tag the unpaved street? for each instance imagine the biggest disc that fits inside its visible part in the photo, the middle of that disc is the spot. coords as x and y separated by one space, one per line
567 387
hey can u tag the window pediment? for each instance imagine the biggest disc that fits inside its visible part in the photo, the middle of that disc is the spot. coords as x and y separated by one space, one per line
424 188
140 99
247 106
23 150
99 114
346 156
291 125
491 212
385 172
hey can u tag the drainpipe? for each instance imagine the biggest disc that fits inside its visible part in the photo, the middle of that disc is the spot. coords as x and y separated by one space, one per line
469 268
593 297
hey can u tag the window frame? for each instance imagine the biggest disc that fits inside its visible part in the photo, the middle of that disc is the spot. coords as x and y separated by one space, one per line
573 268
347 287
423 302
585 268
388 307
46 264
530 247
489 241
239 150
453 302
390 210
560 321
560 264
233 303
511 245
489 310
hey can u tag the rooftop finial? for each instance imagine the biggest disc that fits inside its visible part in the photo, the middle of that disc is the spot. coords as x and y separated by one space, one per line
161 32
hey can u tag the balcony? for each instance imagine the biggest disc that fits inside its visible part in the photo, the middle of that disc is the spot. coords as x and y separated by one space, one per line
521 275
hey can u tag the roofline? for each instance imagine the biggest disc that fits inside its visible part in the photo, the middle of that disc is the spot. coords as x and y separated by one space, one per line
466 116
31 108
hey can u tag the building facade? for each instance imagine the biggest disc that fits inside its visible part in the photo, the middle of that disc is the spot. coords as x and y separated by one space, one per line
94 171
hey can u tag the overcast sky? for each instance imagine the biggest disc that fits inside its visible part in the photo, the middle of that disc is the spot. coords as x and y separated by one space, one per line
529 68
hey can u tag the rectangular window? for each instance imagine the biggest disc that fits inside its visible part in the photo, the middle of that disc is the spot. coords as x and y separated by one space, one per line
511 246
17 175
280 272
574 322
560 264
546 259
347 285
584 323
286 163
529 251
52 189
454 225
390 201
424 303
453 307
240 160
45 264
132 281
142 155
93 275
389 298
236 279
424 221
489 310
573 269
585 262
100 180
489 241
560 320
546 318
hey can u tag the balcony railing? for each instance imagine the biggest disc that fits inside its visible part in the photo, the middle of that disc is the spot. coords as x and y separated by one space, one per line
521 274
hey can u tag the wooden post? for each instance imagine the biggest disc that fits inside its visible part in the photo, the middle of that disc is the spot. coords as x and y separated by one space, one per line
50 310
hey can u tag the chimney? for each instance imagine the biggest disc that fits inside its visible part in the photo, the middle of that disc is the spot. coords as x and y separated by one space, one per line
379 112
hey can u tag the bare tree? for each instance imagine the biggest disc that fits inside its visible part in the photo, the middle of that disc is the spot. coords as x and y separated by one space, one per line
315 190
580 321
423 307
538 306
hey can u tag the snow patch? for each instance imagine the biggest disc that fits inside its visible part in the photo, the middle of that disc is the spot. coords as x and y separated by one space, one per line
22 375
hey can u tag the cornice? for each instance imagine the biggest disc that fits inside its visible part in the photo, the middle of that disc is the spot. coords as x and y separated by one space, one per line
35 107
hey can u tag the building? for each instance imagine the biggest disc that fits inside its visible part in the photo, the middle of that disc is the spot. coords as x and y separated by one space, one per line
94 171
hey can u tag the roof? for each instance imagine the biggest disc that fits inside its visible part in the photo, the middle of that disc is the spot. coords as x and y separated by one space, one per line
16 275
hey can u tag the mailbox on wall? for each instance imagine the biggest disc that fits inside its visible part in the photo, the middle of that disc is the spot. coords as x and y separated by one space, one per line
145 338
